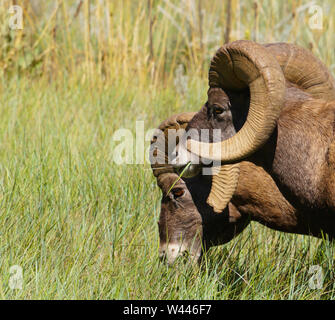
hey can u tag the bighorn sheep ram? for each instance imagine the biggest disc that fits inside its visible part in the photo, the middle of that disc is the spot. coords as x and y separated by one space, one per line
188 224
275 106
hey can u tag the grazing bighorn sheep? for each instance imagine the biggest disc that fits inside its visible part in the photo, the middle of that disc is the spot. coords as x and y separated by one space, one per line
188 224
275 106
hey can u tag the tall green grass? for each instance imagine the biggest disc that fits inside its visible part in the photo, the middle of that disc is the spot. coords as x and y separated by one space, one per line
82 227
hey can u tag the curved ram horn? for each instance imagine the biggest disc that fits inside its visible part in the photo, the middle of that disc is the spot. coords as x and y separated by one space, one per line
224 182
159 143
303 69
224 185
237 66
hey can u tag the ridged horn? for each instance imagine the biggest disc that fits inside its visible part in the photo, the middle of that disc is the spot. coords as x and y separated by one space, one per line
237 66
224 185
224 182
303 69
160 159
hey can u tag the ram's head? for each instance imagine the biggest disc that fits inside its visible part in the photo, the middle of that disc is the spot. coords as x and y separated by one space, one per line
248 85
187 224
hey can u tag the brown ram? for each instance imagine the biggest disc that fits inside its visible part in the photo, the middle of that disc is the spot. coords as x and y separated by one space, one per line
188 224
275 106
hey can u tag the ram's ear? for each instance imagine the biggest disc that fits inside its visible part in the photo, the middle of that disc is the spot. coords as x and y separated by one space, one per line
224 185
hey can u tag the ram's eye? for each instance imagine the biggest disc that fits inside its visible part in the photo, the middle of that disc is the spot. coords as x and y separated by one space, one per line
177 193
218 110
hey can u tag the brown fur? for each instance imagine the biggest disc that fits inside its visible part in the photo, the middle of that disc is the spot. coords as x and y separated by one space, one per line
258 195
302 162
191 222
287 185
300 153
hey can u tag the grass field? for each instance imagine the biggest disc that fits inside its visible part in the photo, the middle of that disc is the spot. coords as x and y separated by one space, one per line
82 227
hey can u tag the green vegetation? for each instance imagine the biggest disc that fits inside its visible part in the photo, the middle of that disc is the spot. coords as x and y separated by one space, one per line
82 227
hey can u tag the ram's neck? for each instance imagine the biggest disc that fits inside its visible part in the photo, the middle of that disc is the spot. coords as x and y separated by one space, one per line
258 196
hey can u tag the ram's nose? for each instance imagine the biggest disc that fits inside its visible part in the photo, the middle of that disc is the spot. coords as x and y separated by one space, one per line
170 252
